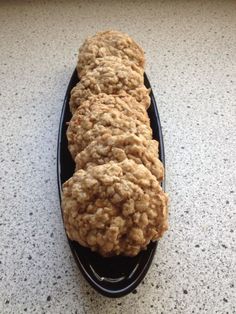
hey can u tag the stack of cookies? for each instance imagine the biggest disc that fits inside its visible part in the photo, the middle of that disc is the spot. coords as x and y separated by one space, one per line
114 203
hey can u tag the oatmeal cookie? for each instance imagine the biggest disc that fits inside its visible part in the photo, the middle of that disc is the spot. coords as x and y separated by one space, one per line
118 148
110 78
116 208
124 103
83 129
110 60
108 43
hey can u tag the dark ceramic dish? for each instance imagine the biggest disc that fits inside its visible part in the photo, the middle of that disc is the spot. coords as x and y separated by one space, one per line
113 276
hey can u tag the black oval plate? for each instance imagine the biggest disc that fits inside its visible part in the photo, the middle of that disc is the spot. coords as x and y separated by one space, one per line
113 276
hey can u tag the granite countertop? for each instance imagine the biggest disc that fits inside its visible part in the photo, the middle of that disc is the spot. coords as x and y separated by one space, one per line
191 62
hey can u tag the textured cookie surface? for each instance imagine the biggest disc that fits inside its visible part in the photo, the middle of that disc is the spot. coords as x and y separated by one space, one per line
116 208
108 43
110 77
124 103
118 148
83 129
110 60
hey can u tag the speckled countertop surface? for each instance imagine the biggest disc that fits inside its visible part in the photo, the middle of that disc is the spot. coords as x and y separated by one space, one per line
191 61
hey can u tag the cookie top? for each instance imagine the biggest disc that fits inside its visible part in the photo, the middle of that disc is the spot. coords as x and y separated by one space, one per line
115 208
124 103
118 148
110 60
110 77
83 129
108 43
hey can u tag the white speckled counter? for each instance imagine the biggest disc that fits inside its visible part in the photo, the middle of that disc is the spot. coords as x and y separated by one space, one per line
191 61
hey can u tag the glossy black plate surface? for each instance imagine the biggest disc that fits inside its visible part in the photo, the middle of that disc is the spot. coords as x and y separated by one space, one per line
113 276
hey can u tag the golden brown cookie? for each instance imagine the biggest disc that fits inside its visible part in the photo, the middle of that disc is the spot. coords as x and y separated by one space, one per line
108 43
124 103
83 129
110 77
116 208
118 148
110 60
